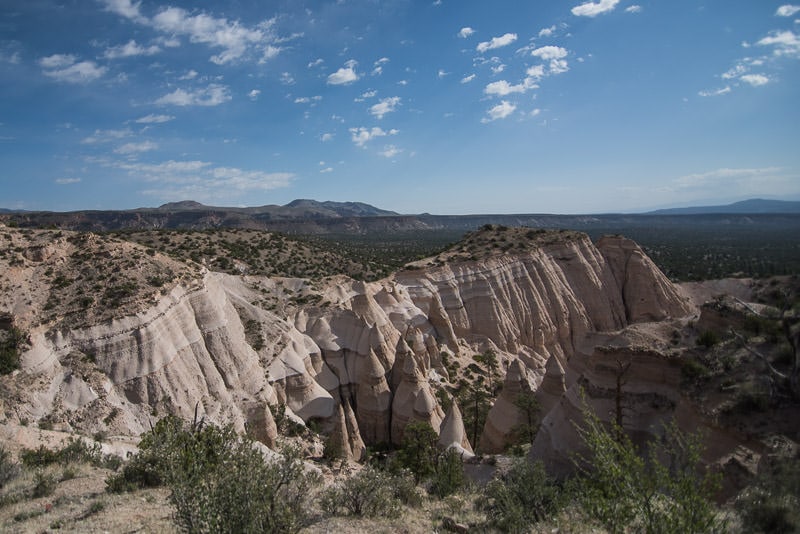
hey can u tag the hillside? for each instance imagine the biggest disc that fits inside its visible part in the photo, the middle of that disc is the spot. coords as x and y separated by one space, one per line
751 206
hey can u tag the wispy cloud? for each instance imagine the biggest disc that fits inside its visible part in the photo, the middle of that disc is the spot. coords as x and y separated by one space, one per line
503 88
201 180
496 42
67 68
106 136
592 9
125 8
500 111
467 79
213 95
390 151
67 181
633 9
154 119
130 49
135 148
253 94
549 52
716 92
345 75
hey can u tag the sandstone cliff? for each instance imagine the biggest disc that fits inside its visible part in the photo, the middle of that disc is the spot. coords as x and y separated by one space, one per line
363 362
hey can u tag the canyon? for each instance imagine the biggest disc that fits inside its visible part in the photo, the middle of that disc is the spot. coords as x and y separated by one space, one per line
578 325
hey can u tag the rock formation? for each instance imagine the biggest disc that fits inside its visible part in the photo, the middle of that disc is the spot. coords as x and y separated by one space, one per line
365 363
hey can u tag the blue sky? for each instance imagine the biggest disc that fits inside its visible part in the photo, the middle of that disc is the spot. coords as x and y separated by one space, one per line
439 106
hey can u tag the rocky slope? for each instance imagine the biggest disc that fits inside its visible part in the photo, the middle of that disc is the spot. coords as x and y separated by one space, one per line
361 362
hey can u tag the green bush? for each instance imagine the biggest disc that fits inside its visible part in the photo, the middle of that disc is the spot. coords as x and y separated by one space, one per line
44 484
10 347
220 482
772 504
521 497
622 489
76 450
370 493
9 469
448 475
418 450
708 339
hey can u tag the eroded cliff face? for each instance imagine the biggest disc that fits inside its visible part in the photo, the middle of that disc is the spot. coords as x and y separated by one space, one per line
363 362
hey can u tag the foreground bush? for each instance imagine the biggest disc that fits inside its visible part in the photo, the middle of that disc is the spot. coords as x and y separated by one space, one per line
772 504
521 497
666 491
369 493
220 482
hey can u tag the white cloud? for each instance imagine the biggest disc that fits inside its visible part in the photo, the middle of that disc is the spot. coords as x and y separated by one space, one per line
106 136
66 68
390 151
465 32
57 60
633 9
503 88
500 111
467 79
535 72
326 170
442 73
369 94
361 136
787 10
326 137
287 78
253 95
130 49
213 95
307 99
232 37
200 180
126 8
386 105
786 43
154 119
345 75
134 148
316 63
734 72
497 42
549 52
497 69
755 79
726 177
716 92
547 32
191 75
592 9
67 181
558 66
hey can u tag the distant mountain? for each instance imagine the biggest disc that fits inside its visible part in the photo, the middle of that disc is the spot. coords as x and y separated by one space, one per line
753 205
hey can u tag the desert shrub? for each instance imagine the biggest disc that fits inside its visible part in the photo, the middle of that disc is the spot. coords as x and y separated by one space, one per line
708 339
418 450
693 369
772 503
370 493
44 484
220 481
448 476
75 451
621 488
10 347
9 469
521 497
